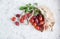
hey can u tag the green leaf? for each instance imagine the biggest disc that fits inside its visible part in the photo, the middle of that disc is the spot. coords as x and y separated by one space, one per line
30 11
23 7
36 13
26 10
28 5
35 4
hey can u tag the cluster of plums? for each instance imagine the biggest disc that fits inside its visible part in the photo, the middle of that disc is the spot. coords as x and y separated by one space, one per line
17 19
36 21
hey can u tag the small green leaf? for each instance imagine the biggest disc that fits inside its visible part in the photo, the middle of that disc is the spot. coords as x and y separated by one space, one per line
22 7
35 4
30 11
28 5
36 13
26 10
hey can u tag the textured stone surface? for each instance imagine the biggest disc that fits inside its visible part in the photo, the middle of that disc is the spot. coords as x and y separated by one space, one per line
8 30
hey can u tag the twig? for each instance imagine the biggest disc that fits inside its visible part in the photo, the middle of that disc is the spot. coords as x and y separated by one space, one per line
30 17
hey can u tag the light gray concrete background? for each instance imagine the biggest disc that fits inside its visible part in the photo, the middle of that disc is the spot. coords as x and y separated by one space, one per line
8 30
